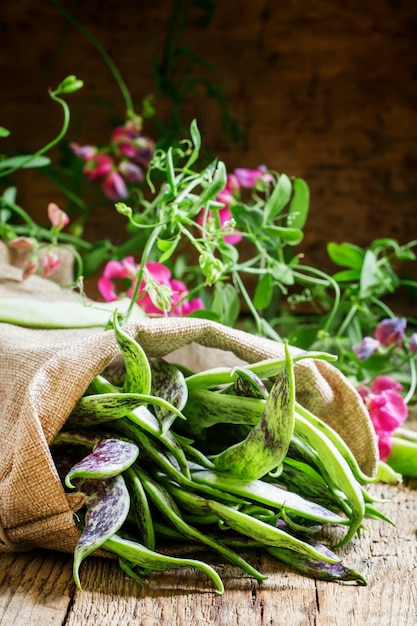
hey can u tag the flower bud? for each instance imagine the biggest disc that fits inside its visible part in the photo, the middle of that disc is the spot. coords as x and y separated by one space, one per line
211 267
57 216
390 330
366 348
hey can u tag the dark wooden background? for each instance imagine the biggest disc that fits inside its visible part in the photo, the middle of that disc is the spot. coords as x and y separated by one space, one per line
323 90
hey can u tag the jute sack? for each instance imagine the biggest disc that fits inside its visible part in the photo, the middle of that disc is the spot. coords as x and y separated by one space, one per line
43 373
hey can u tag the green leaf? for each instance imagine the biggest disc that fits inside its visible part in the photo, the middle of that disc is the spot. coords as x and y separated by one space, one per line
25 161
168 247
196 141
226 303
279 198
291 236
9 195
370 274
229 254
4 132
248 219
282 273
263 292
347 276
346 254
298 211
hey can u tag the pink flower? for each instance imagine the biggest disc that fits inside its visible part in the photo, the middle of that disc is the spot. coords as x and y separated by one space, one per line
114 187
124 270
225 217
131 172
390 330
387 410
130 142
383 383
83 152
413 343
98 167
247 177
366 348
49 264
56 216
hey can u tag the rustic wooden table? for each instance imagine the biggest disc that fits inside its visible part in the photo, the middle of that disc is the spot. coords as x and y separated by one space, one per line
37 589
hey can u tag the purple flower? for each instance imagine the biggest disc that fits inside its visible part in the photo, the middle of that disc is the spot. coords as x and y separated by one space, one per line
247 177
86 152
413 343
366 348
390 330
131 172
114 187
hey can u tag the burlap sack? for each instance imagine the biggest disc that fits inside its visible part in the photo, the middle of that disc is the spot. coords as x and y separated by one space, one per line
43 373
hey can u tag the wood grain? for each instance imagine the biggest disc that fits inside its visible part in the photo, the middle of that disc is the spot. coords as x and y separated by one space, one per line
36 588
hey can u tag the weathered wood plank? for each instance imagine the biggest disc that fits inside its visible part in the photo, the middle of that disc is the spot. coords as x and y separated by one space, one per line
37 589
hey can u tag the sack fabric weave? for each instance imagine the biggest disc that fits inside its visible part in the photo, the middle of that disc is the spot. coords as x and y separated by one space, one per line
43 373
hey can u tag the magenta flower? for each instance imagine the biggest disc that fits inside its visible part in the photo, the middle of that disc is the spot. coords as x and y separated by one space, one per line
366 348
387 410
57 216
178 291
129 142
391 330
247 177
384 382
126 271
98 167
225 217
114 187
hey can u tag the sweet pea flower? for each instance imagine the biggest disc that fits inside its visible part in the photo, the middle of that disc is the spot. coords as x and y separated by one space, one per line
98 167
114 187
129 142
391 330
384 382
49 263
117 270
57 216
152 290
247 178
387 410
366 348
413 343
177 290
131 172
87 153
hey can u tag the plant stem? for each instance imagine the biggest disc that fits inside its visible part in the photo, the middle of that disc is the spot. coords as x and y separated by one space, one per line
52 143
254 312
145 255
